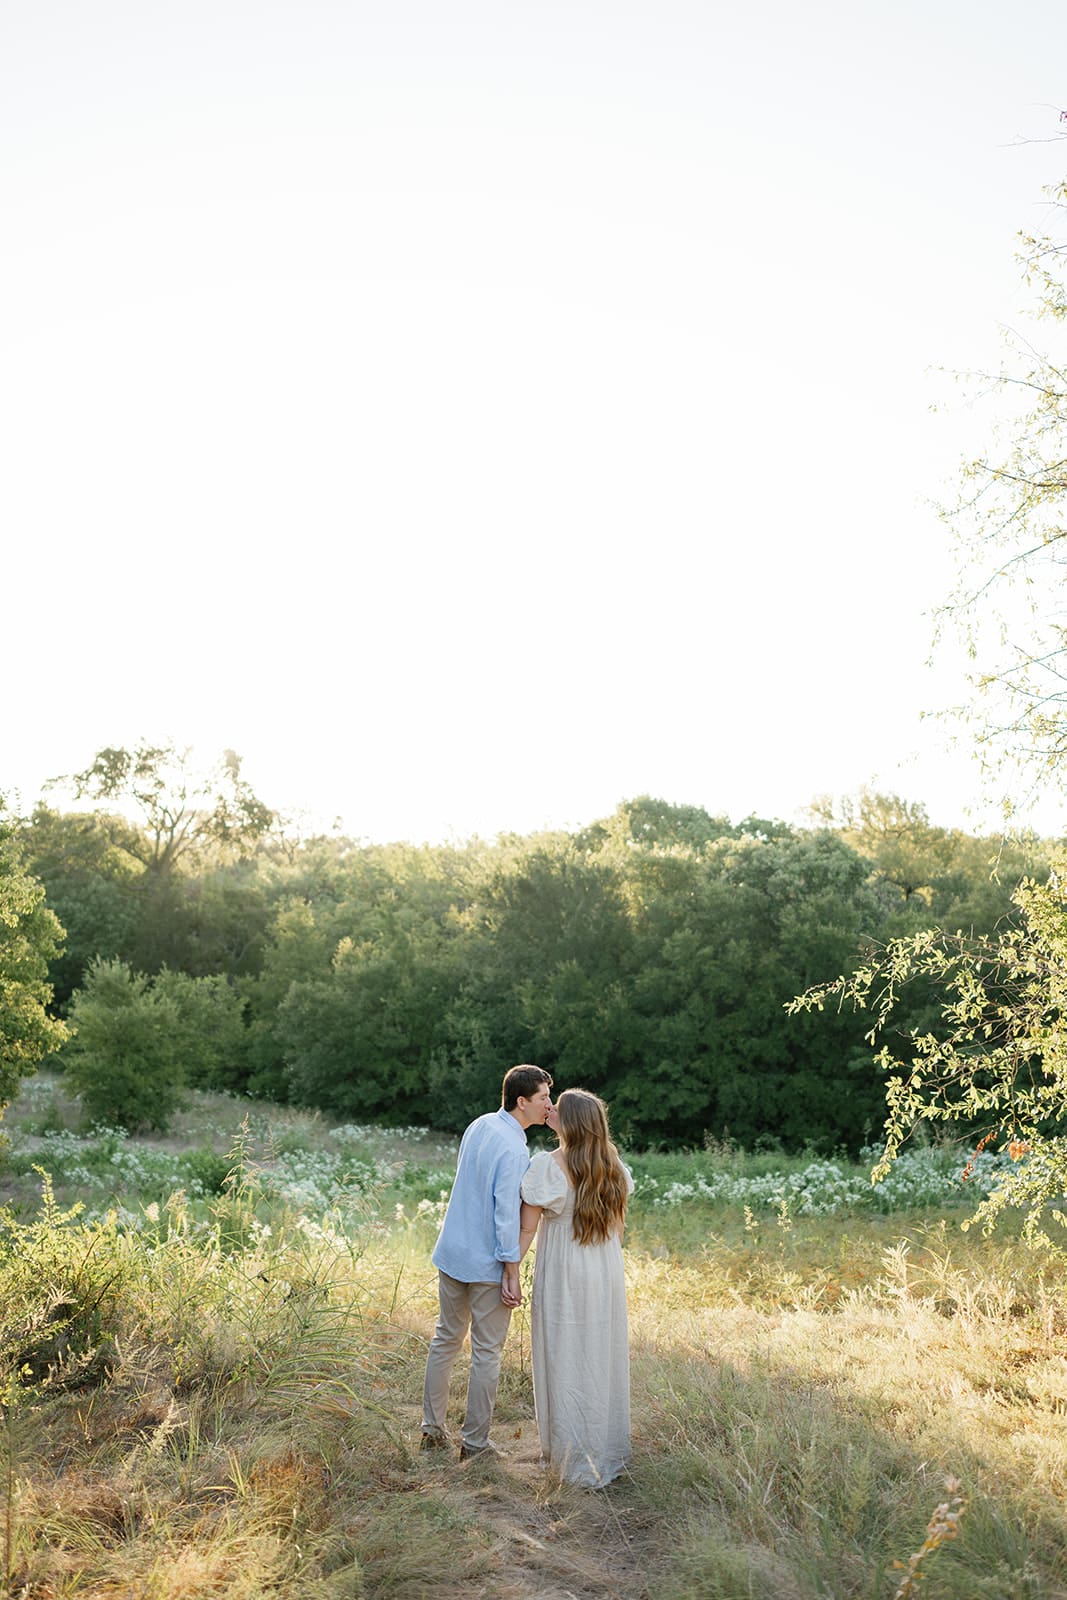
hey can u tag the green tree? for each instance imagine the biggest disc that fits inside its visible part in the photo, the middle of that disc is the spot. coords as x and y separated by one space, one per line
92 888
909 856
543 952
650 957
210 1039
994 1067
652 964
721 945
649 822
356 980
30 936
1011 537
123 1059
182 812
930 876
163 871
360 1043
992 1063
299 948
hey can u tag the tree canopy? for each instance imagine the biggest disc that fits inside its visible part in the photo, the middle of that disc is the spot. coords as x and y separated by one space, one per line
985 1048
1011 539
30 936
649 956
182 811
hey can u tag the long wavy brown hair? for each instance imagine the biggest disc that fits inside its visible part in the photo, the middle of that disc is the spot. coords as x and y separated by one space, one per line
594 1166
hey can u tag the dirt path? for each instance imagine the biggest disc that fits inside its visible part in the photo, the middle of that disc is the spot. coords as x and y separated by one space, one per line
547 1541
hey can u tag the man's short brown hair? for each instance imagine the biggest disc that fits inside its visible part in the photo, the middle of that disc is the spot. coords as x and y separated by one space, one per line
522 1083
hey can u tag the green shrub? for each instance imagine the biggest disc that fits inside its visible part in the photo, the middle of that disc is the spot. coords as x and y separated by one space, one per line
207 1168
210 1039
122 1060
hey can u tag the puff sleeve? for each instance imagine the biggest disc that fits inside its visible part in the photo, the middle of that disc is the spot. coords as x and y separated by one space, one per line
544 1184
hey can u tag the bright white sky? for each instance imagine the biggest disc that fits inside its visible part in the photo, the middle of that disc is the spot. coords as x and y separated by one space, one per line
476 414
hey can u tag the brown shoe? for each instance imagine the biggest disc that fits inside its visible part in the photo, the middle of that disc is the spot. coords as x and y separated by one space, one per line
467 1452
435 1439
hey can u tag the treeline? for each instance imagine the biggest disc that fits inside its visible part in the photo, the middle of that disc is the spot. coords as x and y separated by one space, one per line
648 956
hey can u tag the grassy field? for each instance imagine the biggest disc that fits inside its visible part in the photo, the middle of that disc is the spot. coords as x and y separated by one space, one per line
210 1384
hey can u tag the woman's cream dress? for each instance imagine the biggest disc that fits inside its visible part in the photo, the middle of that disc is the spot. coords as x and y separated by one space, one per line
581 1353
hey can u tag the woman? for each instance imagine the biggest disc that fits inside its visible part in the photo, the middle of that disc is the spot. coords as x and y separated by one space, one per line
581 1357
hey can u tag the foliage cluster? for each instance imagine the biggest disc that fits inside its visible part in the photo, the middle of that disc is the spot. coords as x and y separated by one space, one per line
649 956
137 1043
935 1178
1011 539
993 1055
139 1347
996 1063
30 935
364 1175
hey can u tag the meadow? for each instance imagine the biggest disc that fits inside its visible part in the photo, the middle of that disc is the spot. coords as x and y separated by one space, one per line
213 1349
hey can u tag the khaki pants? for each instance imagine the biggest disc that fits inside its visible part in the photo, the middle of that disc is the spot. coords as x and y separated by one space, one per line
476 1306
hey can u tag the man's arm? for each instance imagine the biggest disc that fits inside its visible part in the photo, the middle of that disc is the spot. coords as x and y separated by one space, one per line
506 1198
506 1183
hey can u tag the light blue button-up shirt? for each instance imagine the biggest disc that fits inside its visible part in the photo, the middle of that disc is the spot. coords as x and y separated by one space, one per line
481 1226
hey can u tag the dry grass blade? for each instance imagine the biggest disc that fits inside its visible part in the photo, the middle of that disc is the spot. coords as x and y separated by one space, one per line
944 1525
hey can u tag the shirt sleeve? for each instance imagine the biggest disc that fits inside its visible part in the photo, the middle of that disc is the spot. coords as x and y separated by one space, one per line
506 1183
544 1184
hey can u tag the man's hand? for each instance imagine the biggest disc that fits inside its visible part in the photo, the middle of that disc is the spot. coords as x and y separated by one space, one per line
510 1286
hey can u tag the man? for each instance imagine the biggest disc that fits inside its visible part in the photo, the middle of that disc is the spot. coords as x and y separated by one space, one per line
477 1258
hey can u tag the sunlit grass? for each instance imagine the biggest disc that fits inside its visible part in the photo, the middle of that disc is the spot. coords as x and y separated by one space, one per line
218 1394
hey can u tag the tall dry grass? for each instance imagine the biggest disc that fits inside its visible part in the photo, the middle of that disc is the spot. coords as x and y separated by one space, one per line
805 1400
214 1405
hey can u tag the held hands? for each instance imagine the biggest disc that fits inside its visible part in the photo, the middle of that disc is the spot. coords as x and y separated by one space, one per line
510 1286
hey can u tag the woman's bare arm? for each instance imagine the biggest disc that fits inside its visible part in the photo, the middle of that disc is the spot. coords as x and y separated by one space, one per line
529 1217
